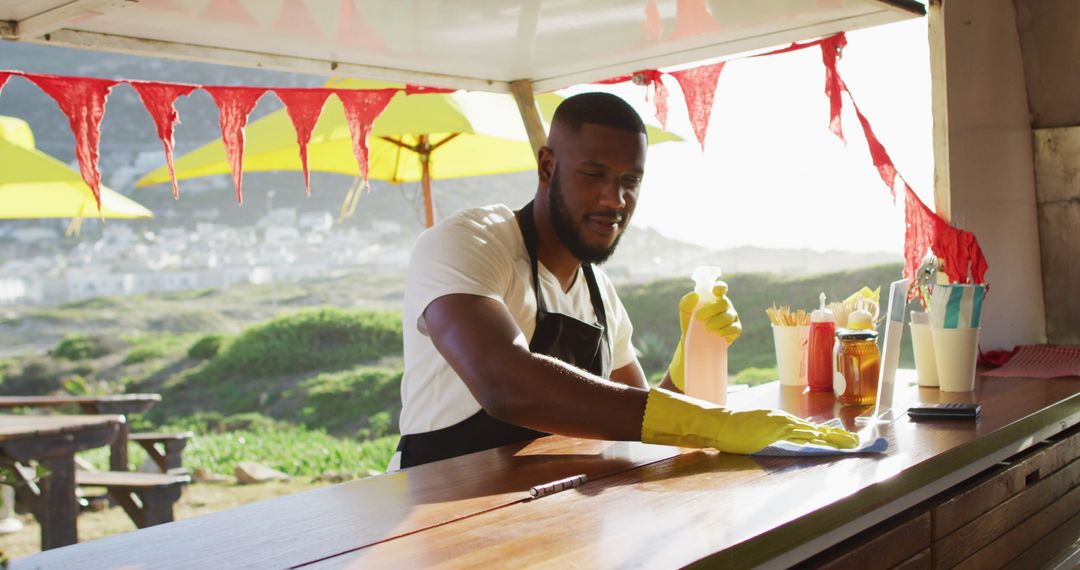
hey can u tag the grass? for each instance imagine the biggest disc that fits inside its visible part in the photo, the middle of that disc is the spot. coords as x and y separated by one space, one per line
309 340
223 441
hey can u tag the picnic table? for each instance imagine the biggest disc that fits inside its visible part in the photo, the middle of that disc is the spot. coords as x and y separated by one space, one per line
650 505
52 441
121 404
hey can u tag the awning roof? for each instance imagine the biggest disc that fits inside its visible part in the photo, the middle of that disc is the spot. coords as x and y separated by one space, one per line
466 44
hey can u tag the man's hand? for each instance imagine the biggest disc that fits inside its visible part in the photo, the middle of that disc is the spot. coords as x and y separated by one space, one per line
719 316
673 419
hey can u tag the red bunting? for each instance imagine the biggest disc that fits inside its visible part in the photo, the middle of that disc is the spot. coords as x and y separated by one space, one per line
160 100
830 51
353 29
303 107
699 89
924 230
82 99
228 11
411 89
295 19
693 19
648 78
361 110
234 106
3 79
654 25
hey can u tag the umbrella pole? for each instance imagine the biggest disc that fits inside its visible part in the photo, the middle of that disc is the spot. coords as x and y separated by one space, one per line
424 150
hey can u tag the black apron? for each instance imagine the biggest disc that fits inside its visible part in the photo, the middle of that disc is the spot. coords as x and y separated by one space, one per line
560 336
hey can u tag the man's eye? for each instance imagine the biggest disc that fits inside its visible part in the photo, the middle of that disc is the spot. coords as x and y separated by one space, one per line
594 174
631 182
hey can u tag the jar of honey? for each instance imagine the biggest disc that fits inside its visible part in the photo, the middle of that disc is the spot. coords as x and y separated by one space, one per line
858 360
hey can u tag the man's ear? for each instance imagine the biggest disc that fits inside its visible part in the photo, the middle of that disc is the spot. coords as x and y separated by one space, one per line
545 164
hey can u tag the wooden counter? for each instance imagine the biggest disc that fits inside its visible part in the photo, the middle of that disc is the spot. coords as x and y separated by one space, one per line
643 505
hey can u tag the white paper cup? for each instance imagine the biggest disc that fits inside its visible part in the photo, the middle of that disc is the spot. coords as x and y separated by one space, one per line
955 351
791 344
922 345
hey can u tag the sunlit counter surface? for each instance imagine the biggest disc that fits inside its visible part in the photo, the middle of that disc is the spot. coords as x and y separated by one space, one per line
946 492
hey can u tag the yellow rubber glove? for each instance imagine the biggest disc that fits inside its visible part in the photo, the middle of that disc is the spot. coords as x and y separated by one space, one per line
719 316
674 419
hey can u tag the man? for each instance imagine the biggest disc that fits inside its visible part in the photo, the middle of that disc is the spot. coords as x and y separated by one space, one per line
511 333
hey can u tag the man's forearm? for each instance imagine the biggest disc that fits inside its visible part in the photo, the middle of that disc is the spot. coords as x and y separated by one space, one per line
546 394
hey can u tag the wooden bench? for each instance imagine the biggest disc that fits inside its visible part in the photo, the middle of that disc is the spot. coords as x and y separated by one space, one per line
169 456
146 497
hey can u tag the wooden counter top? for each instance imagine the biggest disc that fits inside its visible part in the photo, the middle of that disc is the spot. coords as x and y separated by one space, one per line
735 511
643 504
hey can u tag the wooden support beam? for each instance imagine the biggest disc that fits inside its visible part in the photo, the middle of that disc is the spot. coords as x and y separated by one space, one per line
523 95
939 105
60 16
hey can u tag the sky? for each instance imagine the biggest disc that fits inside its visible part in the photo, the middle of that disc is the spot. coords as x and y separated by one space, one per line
773 174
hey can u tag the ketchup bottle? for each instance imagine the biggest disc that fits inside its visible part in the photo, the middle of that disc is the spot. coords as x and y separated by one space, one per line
819 373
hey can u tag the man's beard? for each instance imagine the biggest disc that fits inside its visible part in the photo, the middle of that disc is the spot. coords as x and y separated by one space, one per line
568 233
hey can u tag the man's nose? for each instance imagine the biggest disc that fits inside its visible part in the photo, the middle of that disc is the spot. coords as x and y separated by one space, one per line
613 195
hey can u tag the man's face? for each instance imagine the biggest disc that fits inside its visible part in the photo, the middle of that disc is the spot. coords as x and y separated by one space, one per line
594 188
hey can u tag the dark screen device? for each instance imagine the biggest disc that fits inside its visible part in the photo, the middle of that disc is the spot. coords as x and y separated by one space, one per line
956 411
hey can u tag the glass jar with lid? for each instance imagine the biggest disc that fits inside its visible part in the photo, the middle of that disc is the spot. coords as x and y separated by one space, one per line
858 361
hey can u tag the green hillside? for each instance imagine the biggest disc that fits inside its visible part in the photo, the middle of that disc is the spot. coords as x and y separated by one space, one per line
653 308
319 378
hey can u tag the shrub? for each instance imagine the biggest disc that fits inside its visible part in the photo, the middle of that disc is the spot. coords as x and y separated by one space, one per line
80 347
143 354
207 347
366 399
312 340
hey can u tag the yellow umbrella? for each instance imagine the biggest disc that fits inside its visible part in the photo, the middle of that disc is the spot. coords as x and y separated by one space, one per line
36 185
417 138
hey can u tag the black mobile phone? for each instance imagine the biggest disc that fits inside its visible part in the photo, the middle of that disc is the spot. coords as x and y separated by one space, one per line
957 411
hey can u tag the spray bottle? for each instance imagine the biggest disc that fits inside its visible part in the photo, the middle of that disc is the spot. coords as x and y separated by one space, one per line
819 373
705 352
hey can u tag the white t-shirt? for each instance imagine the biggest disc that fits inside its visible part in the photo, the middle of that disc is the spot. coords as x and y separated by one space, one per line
480 251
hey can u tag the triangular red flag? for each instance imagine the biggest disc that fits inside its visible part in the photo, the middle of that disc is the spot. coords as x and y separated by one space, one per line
926 231
3 79
294 18
304 107
654 25
699 89
228 11
692 19
234 105
830 52
160 101
352 29
362 107
82 99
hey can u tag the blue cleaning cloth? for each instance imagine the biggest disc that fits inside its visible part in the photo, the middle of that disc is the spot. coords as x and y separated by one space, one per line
789 449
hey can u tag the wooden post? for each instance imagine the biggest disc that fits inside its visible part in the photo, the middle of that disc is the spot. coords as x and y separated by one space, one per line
423 149
530 116
56 510
939 105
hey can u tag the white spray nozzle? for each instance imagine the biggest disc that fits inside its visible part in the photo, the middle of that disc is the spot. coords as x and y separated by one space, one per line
822 314
860 319
705 276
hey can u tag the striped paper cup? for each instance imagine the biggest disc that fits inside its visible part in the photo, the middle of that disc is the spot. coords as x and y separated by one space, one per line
956 306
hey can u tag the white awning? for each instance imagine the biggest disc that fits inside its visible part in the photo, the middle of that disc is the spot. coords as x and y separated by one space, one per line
466 44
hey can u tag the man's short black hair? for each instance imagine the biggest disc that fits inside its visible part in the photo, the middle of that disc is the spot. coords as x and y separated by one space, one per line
599 109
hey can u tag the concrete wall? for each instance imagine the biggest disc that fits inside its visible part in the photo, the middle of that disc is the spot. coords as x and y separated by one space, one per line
990 182
1050 40
1057 173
